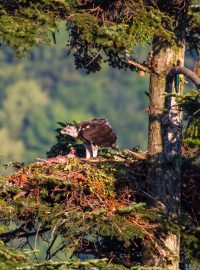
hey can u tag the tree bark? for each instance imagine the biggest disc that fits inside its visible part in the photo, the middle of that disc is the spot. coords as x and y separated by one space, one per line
164 145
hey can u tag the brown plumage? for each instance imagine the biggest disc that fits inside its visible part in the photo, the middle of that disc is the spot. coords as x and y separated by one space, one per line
98 132
93 133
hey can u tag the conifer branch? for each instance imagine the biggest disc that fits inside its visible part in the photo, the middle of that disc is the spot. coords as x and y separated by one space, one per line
20 233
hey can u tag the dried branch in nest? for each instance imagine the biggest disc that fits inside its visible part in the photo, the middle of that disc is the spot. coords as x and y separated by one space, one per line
76 198
58 160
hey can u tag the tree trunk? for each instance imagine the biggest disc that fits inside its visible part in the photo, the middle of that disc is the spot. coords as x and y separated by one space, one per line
164 145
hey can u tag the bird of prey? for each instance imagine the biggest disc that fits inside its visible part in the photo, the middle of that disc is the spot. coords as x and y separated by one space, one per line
93 133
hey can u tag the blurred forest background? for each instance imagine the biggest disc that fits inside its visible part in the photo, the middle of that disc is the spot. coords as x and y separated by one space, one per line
43 88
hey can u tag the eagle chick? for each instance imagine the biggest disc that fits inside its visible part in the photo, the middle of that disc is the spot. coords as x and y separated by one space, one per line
93 133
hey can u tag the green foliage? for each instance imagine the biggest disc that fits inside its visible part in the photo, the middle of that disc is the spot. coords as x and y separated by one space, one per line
76 265
93 208
92 38
92 264
10 258
190 246
64 143
97 31
192 136
147 23
31 22
13 259
193 30
80 202
87 265
190 103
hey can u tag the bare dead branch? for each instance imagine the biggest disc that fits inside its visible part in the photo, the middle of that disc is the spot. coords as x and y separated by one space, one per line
187 73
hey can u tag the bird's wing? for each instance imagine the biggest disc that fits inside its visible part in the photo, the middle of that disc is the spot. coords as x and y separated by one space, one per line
97 132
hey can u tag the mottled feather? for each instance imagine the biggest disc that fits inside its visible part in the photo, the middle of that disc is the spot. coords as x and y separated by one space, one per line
97 132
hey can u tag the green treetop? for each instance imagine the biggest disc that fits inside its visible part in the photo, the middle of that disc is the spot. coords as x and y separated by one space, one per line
97 29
